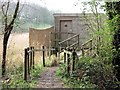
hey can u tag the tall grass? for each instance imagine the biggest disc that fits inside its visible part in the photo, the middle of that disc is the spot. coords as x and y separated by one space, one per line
15 50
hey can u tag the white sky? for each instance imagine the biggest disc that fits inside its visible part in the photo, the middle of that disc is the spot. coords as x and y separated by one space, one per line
67 6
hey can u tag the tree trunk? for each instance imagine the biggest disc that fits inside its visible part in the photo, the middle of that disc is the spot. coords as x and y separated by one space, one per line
5 42
4 57
8 29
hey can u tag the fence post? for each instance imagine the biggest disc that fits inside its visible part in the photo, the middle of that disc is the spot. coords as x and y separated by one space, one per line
33 57
59 51
64 57
28 61
25 65
43 56
83 53
91 47
78 40
68 64
73 54
56 50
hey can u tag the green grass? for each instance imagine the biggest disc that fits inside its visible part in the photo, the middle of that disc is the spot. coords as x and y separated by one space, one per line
73 82
17 81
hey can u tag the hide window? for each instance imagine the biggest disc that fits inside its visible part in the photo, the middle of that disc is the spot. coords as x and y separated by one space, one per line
65 25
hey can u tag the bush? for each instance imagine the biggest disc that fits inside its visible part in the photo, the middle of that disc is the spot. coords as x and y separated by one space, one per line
97 72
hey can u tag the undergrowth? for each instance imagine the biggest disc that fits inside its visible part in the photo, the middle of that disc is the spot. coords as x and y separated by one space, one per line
98 72
73 82
16 80
89 73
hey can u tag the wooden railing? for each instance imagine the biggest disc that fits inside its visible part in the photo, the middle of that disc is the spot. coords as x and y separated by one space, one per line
86 48
68 40
55 37
71 56
59 33
29 59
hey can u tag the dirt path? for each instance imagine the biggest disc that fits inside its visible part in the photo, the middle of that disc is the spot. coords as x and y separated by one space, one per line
49 80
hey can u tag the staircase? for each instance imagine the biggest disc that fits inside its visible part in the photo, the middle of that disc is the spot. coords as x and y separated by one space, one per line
67 41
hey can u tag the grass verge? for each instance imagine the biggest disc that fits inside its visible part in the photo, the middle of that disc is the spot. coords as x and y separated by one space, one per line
73 82
16 80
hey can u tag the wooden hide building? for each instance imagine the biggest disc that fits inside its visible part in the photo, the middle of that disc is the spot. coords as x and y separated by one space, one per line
68 25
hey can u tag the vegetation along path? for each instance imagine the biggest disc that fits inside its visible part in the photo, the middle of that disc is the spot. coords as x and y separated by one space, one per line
49 80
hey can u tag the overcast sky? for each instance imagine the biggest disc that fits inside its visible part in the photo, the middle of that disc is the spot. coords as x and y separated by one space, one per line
67 6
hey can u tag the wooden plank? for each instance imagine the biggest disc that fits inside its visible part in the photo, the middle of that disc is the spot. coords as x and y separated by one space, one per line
68 39
40 50
87 42
72 45
62 33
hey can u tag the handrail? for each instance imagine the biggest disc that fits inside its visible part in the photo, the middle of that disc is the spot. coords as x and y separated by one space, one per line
87 42
29 60
74 55
68 39
72 44
62 33
52 49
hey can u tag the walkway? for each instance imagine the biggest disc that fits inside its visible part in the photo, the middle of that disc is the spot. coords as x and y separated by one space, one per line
49 80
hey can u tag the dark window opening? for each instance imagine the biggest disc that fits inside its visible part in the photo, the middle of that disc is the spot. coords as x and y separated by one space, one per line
65 25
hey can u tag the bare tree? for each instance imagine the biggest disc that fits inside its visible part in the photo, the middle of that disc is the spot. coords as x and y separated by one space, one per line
8 27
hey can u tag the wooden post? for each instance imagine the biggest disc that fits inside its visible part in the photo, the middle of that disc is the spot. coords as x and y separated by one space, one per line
28 61
78 40
56 50
68 64
25 65
73 66
67 43
33 57
59 51
83 53
43 56
50 33
64 57
91 48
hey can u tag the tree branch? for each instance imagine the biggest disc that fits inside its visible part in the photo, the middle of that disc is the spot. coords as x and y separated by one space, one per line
15 14
3 9
8 4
